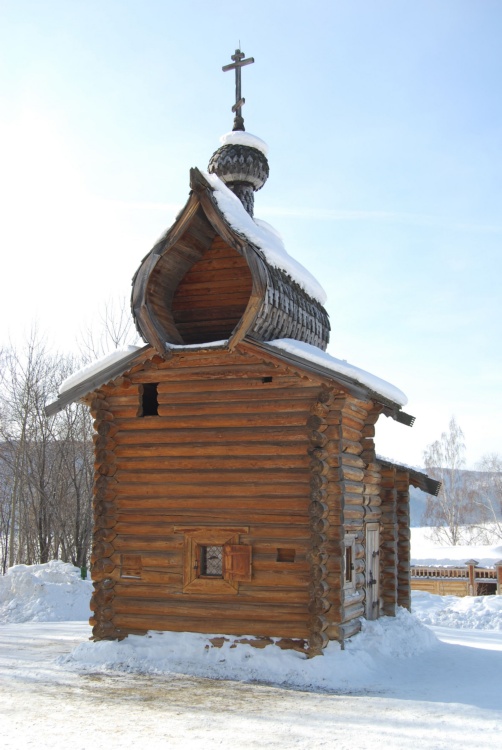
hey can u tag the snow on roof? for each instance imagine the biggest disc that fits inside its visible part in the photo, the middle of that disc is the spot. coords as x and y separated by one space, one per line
243 138
264 237
95 367
313 354
208 345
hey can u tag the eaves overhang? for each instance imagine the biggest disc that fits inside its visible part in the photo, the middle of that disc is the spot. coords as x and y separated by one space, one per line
350 385
97 379
417 478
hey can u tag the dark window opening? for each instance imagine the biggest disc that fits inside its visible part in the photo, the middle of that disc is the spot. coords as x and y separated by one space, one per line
486 589
150 400
211 561
349 565
267 379
286 555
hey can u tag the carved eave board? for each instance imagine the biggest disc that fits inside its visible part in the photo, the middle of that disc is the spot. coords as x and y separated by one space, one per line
205 282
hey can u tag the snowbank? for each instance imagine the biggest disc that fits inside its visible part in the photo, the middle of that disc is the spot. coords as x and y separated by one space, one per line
44 593
192 653
55 592
465 612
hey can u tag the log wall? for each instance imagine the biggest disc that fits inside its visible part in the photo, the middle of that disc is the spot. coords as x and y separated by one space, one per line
285 462
213 295
229 447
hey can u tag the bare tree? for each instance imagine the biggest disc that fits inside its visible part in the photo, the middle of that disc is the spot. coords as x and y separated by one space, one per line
487 496
46 463
451 513
116 330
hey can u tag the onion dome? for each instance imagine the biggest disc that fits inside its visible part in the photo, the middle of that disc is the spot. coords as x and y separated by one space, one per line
241 163
218 275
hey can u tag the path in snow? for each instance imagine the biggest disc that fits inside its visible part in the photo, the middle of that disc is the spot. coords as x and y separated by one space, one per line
448 697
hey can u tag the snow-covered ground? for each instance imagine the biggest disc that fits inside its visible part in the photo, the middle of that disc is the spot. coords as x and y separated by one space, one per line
426 552
397 683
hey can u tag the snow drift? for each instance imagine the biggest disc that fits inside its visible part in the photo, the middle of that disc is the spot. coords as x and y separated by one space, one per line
44 593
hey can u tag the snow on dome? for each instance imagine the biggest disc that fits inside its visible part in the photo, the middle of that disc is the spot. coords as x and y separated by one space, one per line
95 367
313 354
243 138
264 237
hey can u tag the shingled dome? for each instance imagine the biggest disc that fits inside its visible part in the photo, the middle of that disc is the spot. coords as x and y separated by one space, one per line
241 166
217 274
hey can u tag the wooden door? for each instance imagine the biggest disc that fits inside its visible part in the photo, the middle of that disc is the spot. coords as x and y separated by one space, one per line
372 570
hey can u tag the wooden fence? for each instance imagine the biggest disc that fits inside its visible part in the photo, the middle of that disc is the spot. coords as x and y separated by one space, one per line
466 580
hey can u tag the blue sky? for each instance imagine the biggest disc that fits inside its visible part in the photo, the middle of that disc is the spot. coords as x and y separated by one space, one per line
384 123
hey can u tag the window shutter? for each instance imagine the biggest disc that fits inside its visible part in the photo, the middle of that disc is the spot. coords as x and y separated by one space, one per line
237 562
131 566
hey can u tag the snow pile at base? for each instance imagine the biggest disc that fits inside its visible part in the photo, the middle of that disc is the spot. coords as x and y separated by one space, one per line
356 667
243 138
264 237
95 367
464 612
44 593
424 551
317 356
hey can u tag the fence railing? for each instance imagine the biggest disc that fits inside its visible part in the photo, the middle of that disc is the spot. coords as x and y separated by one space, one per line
471 578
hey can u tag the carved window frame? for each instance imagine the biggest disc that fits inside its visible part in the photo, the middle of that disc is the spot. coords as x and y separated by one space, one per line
229 539
349 559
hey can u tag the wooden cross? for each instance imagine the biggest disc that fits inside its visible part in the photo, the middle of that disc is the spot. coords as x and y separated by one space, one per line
238 63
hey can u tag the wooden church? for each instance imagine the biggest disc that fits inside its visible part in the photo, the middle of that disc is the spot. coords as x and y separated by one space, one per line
237 487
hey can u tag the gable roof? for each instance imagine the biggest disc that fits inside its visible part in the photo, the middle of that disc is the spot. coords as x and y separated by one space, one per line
358 383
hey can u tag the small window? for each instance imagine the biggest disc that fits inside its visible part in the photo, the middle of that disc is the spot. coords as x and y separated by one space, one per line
213 560
349 578
286 555
267 379
349 564
150 400
210 561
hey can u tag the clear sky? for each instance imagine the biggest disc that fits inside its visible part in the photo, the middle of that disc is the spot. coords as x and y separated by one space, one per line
384 122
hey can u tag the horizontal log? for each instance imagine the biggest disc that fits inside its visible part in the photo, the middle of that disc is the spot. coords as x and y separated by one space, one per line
346 418
234 609
211 387
349 434
349 613
215 421
257 595
302 393
171 581
228 626
219 493
266 523
263 406
219 477
351 447
160 561
212 463
349 629
352 512
216 436
208 449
